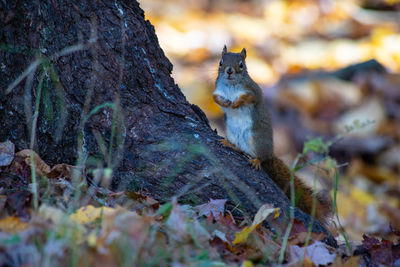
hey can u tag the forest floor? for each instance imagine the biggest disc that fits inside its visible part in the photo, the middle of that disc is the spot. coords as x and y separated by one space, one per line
294 49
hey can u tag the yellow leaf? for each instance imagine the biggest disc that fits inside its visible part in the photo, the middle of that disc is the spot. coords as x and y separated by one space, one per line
12 225
89 214
261 215
361 196
247 263
92 239
348 206
242 235
65 226
277 213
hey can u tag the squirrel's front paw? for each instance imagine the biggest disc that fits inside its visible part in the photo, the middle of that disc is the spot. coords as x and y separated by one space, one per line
222 101
246 98
238 103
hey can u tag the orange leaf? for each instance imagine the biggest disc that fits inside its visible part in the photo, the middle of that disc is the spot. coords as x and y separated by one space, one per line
12 225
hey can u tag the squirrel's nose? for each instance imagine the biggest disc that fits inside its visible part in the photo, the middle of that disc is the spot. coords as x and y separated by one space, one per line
229 70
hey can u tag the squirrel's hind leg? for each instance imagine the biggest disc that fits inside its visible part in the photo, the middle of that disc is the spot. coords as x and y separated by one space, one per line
255 163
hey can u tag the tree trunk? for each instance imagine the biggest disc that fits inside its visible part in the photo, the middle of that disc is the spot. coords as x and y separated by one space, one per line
89 83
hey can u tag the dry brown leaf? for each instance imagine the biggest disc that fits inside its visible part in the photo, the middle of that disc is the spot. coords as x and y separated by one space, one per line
214 207
177 223
152 202
125 225
300 238
351 262
40 166
179 230
62 171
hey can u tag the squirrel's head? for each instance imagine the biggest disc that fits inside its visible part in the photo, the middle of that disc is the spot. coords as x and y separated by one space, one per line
232 65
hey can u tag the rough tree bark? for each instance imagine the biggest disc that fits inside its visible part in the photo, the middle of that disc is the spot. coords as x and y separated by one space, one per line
94 72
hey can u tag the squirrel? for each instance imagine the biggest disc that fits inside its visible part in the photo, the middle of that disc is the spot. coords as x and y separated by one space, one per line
249 129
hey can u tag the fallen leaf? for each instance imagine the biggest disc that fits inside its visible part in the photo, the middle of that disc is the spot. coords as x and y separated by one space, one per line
20 203
179 227
214 207
362 196
351 262
199 234
125 221
261 215
53 214
89 214
62 171
92 239
298 227
382 252
317 252
63 222
7 150
242 235
135 195
220 235
152 202
300 238
247 263
12 225
41 167
227 221
177 222
21 168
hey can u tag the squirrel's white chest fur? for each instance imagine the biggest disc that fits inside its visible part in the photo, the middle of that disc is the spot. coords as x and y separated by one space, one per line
239 121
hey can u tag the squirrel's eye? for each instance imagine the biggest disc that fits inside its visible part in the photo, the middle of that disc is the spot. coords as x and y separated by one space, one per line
241 65
222 61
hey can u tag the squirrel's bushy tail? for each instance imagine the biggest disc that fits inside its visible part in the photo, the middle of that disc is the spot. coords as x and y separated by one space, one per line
280 173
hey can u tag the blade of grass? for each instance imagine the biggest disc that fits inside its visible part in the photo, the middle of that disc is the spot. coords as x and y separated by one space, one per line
291 211
335 211
32 142
310 225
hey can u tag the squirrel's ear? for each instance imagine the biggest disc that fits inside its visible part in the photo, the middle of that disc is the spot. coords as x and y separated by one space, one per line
224 51
243 53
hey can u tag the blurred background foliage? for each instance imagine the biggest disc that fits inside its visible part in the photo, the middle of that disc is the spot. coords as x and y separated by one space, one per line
295 49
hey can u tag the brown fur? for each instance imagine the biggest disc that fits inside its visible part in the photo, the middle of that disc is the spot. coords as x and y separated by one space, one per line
221 101
243 99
